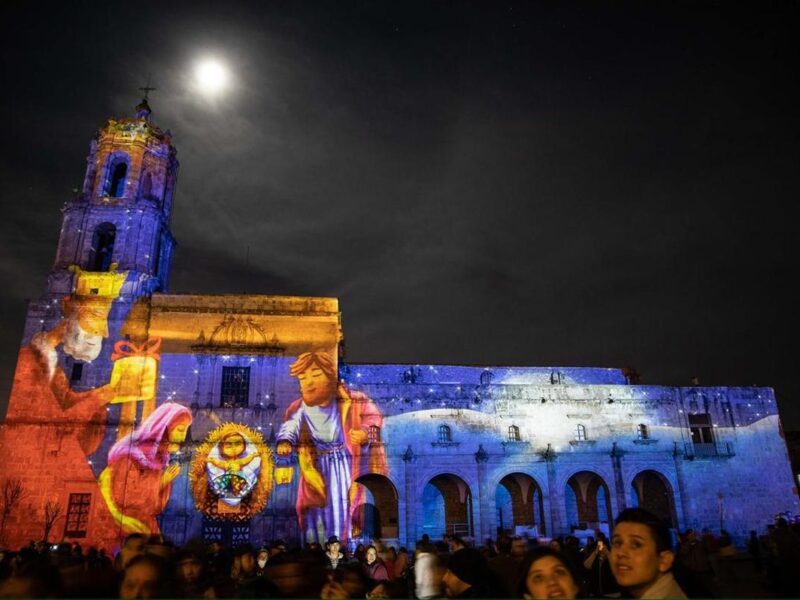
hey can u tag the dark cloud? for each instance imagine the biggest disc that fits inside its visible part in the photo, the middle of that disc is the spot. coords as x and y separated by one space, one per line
478 183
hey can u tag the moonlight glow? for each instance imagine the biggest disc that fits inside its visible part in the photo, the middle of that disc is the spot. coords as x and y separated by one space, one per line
211 76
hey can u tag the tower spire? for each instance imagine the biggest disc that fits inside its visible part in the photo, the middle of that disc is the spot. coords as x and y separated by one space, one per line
143 110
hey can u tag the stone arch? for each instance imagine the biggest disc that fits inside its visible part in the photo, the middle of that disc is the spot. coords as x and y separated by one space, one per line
652 491
377 513
519 500
447 507
587 500
116 175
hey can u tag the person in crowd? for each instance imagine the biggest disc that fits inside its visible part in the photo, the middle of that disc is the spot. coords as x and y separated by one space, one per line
374 569
726 547
401 564
695 565
360 553
600 580
427 571
754 548
709 541
455 543
132 547
642 556
466 575
262 558
505 566
545 573
145 576
785 545
333 554
346 582
190 577
244 563
389 557
36 578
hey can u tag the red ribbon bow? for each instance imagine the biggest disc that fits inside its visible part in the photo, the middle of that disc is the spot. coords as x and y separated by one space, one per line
125 348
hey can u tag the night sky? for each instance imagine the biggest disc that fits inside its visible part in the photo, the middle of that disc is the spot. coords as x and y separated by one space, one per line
565 184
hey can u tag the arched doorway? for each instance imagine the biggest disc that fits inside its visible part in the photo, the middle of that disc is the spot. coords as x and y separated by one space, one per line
447 507
520 504
588 502
652 491
376 512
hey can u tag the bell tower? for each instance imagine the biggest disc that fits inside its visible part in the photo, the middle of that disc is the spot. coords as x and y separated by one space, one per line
122 215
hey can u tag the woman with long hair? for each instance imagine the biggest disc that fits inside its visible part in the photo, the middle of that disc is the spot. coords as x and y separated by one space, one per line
547 573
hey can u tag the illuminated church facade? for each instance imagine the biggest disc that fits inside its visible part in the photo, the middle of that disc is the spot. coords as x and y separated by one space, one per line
236 418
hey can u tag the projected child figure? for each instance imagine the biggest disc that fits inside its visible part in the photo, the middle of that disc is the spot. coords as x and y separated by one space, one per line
328 426
233 466
231 474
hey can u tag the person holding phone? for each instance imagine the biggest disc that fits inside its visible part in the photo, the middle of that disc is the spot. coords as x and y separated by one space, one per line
600 580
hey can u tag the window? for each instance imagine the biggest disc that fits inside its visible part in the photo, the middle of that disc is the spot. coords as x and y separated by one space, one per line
374 434
513 433
580 433
235 387
77 515
116 178
486 377
702 431
102 247
77 372
445 435
641 432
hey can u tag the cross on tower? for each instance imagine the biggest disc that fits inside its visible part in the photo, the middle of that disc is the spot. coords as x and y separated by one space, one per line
147 89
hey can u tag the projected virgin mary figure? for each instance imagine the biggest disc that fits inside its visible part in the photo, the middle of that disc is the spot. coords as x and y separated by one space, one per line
328 425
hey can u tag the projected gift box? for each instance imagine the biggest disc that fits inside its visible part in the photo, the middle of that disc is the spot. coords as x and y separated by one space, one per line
134 378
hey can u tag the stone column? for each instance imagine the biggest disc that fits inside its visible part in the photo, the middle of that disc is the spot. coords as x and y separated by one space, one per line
555 525
681 513
482 514
619 485
409 498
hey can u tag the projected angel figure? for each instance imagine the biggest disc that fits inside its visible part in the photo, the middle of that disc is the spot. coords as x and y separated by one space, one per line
329 425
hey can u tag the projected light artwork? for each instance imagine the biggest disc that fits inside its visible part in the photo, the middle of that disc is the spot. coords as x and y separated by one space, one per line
234 417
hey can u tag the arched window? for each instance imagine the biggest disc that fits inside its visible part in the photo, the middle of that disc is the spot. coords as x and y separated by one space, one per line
102 247
374 434
445 435
117 174
513 433
486 377
641 431
580 433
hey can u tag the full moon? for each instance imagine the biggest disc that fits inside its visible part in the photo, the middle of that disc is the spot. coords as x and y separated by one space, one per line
211 76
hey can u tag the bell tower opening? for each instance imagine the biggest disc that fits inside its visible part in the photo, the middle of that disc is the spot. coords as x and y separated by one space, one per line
117 174
102 247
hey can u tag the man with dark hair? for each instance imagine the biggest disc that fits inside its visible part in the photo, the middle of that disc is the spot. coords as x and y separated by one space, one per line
642 555
455 543
466 574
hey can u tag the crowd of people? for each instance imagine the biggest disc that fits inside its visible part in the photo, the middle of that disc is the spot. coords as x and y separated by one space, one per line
640 560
